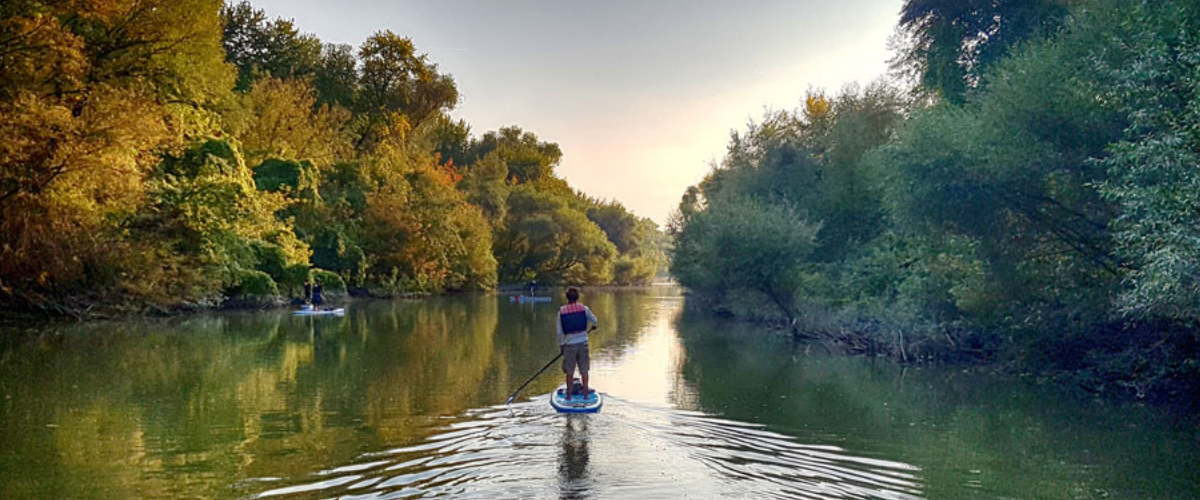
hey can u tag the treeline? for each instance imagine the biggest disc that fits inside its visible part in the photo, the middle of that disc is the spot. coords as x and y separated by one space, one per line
186 153
1032 197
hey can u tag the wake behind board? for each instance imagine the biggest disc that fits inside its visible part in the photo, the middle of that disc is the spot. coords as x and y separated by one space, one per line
320 312
577 404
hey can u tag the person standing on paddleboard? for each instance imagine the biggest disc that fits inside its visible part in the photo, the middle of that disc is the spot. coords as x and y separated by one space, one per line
318 295
573 321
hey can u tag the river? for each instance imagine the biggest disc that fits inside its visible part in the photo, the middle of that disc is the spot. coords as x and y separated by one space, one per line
404 399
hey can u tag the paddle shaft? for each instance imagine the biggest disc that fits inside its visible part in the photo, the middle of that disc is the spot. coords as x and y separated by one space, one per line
531 379
539 372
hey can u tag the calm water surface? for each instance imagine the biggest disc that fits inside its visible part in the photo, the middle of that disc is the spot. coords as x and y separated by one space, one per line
404 400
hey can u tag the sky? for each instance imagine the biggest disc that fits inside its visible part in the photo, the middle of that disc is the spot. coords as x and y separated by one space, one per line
641 95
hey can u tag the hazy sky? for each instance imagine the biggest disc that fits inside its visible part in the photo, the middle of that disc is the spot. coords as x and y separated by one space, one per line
640 95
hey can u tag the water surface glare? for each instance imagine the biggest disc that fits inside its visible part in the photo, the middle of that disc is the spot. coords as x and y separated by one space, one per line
528 451
402 400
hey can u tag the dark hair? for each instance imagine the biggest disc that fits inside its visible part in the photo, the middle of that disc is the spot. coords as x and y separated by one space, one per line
572 294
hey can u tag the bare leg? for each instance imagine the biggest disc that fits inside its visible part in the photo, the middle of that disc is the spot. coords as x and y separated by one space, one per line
568 391
585 385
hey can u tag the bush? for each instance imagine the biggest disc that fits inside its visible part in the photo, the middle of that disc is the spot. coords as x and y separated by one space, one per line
294 277
255 284
271 259
329 280
275 174
741 244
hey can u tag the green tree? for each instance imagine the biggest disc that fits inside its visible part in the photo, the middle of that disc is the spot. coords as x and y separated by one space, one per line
205 206
90 95
173 47
69 76
618 224
395 80
1014 169
1153 169
544 238
743 245
261 48
484 185
949 44
636 240
450 139
336 78
279 118
527 158
419 230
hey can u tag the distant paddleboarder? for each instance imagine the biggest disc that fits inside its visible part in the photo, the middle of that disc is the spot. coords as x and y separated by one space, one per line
573 321
317 295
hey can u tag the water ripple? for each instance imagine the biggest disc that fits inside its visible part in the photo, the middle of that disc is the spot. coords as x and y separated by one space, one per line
627 451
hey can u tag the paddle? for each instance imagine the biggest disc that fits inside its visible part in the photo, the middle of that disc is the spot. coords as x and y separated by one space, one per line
539 372
514 394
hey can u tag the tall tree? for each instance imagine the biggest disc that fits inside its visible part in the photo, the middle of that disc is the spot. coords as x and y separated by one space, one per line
1154 168
280 118
546 239
204 205
397 81
420 231
948 44
528 158
91 94
743 245
259 47
336 79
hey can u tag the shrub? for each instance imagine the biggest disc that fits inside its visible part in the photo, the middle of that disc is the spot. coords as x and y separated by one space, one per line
255 284
329 280
293 277
271 259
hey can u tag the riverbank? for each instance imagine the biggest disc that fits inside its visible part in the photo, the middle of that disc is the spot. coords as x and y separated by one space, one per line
1138 363
1152 363
76 309
93 309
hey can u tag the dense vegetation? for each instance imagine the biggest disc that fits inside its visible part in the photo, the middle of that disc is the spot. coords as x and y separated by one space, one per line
187 153
1033 198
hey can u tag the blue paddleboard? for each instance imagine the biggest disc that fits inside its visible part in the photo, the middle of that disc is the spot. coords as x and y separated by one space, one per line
577 404
526 298
320 312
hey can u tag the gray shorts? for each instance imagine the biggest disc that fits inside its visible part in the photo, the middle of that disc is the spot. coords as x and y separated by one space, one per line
575 355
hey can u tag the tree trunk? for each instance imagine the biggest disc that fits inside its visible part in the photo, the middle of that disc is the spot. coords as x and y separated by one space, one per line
787 312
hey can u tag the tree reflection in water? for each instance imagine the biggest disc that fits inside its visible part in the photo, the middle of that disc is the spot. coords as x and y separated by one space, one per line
397 400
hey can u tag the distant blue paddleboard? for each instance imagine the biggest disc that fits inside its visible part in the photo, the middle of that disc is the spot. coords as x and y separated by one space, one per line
577 404
320 312
527 298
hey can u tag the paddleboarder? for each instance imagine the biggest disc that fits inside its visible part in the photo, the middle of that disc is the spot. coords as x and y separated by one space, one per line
318 295
573 321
